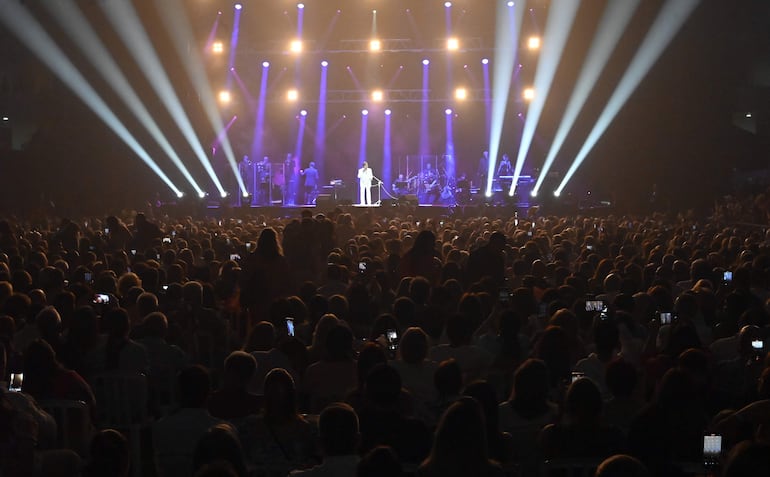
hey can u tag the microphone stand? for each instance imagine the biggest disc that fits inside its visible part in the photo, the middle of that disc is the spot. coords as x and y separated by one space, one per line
379 191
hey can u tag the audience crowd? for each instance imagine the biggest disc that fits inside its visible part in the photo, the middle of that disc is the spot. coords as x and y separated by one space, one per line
366 344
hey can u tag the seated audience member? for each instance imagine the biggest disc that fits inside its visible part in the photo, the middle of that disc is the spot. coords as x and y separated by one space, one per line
110 455
232 400
580 432
121 353
371 355
594 366
383 421
330 379
220 444
448 381
175 436
621 465
500 443
381 461
473 360
279 435
625 402
460 444
46 378
415 369
748 458
261 345
82 350
317 348
340 438
162 355
553 349
669 429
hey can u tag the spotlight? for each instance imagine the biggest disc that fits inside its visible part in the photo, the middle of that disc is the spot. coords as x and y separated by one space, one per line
556 193
265 64
217 48
484 61
461 94
201 194
375 45
748 116
426 62
533 43
388 112
447 4
238 6
510 4
365 112
245 195
292 95
533 193
303 112
528 94
453 44
324 63
5 119
300 6
179 195
377 95
224 97
295 46
448 111
224 194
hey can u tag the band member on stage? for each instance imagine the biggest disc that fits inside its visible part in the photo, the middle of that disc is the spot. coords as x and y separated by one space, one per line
483 170
431 188
365 177
311 182
263 181
400 186
504 169
245 169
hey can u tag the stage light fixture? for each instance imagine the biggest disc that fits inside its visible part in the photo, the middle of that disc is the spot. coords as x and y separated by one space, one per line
378 95
217 47
324 63
447 4
303 112
5 119
375 45
453 44
295 46
265 64
238 6
510 4
448 112
748 116
426 62
528 94
364 112
534 43
292 95
300 6
225 97
388 112
461 94
485 61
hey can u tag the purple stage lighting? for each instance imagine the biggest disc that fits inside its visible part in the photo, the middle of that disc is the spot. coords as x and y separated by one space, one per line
303 112
426 62
238 6
484 61
324 63
300 6
388 112
265 64
365 112
448 112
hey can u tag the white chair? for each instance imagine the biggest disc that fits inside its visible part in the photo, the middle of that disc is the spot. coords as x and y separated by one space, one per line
73 424
121 403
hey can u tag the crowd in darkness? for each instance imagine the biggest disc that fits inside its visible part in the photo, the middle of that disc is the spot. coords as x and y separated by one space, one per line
357 343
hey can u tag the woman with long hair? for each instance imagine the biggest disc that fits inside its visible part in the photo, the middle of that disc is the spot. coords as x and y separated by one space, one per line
460 444
265 277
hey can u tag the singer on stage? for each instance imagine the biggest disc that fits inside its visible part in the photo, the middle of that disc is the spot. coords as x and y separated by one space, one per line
365 176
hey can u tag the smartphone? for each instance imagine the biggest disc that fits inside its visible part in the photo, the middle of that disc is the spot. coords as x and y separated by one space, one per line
133 251
589 247
392 337
166 239
87 276
604 313
504 295
164 287
235 257
727 277
248 246
529 233
712 448
173 233
17 380
106 231
757 345
289 325
362 267
101 299
664 317
594 305
577 375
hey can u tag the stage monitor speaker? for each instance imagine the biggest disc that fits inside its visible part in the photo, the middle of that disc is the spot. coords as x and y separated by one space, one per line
324 201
